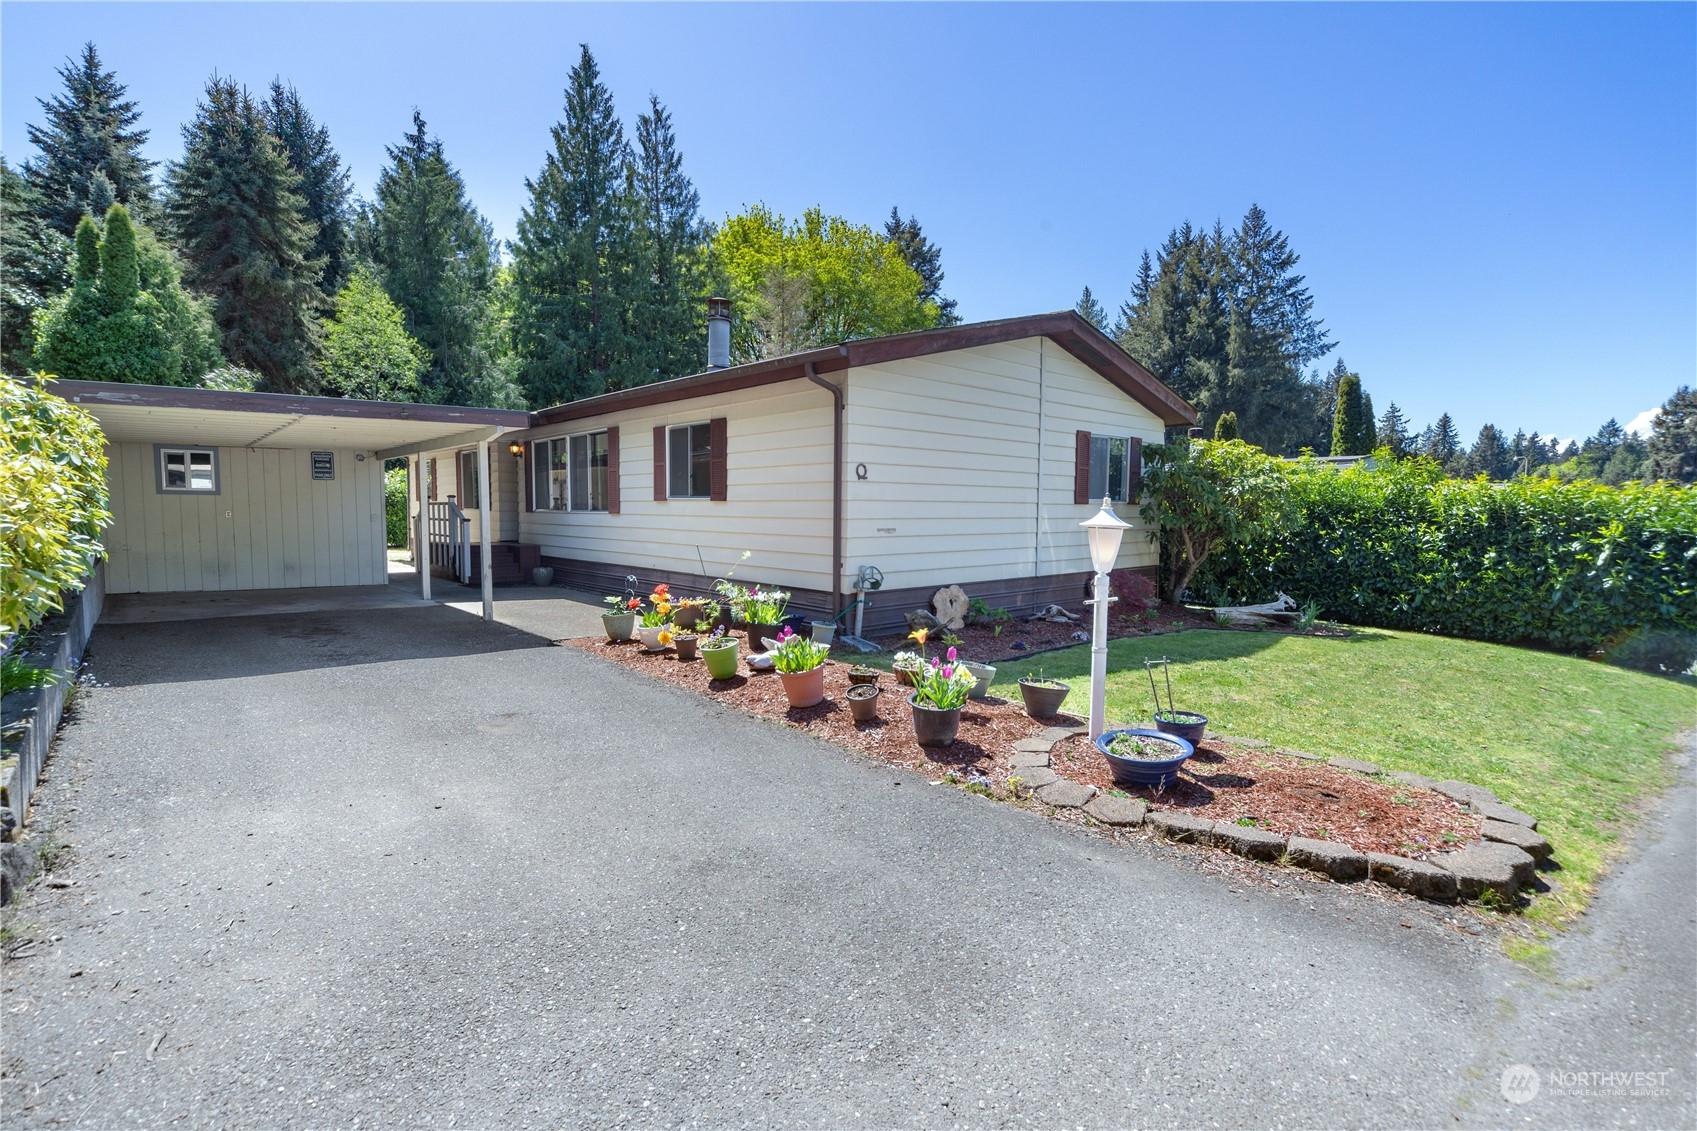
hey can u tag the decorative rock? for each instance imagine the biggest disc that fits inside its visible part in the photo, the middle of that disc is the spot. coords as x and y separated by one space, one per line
1463 792
1180 827
1418 781
1111 810
1052 735
1033 746
1354 766
1030 761
1247 840
919 619
1416 877
1037 777
1066 794
1338 861
1489 866
1508 814
1302 754
1522 837
951 605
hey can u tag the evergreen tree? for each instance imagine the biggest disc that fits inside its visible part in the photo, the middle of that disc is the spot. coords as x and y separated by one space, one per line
90 151
368 353
1392 432
125 317
1350 418
573 258
1595 453
1441 442
1489 455
1369 428
324 184
235 205
1673 439
1141 286
669 323
436 257
33 267
1627 462
1091 310
926 259
1225 428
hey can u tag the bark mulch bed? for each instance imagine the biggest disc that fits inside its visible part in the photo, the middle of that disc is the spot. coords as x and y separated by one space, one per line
1221 782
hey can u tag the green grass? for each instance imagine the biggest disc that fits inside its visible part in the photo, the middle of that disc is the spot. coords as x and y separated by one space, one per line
1576 743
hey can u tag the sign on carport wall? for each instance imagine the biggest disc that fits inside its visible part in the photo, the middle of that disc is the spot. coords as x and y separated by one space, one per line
324 465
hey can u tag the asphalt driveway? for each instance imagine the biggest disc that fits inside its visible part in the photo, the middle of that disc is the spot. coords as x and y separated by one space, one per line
403 868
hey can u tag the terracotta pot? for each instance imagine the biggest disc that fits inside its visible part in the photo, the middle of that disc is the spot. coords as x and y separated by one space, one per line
619 626
934 727
686 646
863 702
1043 701
721 661
804 689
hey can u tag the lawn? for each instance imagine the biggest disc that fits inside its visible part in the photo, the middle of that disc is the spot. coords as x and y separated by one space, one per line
1577 744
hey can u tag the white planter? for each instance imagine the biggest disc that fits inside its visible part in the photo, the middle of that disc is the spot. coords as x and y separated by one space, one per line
650 637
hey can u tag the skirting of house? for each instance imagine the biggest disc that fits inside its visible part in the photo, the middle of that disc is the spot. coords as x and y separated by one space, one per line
886 609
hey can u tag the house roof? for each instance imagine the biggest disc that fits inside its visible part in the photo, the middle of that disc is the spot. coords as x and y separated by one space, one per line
1064 327
162 414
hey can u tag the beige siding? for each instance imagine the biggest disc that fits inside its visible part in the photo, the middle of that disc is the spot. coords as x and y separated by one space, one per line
969 464
271 526
505 488
778 493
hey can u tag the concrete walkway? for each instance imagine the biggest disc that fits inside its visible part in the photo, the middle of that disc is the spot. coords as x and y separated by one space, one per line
552 613
403 868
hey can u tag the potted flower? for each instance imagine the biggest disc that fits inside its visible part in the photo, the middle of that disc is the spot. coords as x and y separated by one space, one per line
801 665
685 643
1043 697
937 699
984 674
763 612
860 674
1143 757
656 621
619 620
720 652
692 612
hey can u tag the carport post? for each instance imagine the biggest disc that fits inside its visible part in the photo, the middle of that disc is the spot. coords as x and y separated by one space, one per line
421 546
483 528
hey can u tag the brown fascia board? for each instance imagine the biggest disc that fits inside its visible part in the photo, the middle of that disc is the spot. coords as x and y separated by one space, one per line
1065 327
165 396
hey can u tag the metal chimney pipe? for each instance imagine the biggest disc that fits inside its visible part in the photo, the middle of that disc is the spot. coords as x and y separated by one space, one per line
718 333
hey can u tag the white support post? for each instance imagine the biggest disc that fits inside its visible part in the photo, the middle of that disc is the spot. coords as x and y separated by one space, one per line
421 555
483 529
1099 660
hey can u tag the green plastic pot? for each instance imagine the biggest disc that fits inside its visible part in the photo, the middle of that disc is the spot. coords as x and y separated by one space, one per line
721 661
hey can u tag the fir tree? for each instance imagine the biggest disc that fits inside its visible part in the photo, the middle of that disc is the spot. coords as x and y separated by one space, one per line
90 151
668 323
1225 428
1091 310
1489 455
235 204
1441 442
926 259
324 184
33 267
1673 439
573 258
436 257
1349 418
1369 427
1627 462
1392 432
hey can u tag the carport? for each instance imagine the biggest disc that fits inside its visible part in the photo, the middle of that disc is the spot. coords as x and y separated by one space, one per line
217 491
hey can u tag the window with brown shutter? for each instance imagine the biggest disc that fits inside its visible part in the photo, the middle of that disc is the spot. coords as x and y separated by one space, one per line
1108 467
613 470
1136 462
1081 468
659 463
716 466
433 480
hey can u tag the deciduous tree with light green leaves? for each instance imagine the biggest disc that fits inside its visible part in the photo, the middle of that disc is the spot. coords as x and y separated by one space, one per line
1203 495
53 462
368 353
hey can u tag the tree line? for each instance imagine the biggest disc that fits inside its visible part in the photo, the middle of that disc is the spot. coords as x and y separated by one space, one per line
249 263
1225 320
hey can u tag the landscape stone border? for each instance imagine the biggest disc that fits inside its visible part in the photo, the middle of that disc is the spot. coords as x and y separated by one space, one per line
1502 863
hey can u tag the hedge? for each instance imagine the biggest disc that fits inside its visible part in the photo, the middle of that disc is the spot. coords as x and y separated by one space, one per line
1574 566
53 467
395 506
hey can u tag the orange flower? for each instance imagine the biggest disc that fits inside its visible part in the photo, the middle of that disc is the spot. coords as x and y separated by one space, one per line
664 638
662 592
634 603
919 635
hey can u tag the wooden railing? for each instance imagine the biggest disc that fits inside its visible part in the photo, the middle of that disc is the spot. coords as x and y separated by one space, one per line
450 540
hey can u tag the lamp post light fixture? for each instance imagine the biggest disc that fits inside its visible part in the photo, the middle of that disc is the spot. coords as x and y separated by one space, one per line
1105 530
517 449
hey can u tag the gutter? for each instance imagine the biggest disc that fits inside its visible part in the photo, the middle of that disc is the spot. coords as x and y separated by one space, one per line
837 400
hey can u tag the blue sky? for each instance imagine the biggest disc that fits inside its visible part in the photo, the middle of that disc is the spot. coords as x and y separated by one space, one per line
1496 206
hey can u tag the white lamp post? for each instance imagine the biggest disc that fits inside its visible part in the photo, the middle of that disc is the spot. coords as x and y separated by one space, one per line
1104 530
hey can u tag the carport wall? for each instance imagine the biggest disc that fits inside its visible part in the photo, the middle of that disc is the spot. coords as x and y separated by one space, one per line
268 525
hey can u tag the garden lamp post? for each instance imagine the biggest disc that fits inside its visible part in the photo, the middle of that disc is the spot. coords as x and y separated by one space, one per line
1104 529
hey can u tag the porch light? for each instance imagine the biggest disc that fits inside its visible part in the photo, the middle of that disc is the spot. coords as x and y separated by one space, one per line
1105 530
516 448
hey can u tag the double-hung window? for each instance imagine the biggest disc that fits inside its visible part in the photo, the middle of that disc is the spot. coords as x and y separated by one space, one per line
1108 467
187 470
689 461
571 473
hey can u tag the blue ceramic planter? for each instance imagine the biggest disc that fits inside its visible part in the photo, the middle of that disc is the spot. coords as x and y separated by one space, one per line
1158 772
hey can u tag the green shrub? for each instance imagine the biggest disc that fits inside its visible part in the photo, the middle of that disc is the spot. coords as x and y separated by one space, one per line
53 465
395 505
1575 566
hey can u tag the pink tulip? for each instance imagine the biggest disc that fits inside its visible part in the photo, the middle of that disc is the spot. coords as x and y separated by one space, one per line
948 669
953 655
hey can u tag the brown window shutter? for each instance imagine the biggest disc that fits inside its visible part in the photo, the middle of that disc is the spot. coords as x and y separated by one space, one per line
433 480
1081 468
416 470
659 463
1136 462
527 469
613 470
716 471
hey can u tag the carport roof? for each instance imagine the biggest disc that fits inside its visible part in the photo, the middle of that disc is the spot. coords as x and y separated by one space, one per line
160 414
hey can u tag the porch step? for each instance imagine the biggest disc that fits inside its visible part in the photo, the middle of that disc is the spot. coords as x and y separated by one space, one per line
510 563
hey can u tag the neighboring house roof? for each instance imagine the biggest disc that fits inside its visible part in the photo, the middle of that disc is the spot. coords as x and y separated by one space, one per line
1064 327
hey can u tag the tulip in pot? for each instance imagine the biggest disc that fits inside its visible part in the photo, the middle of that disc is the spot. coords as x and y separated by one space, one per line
800 663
